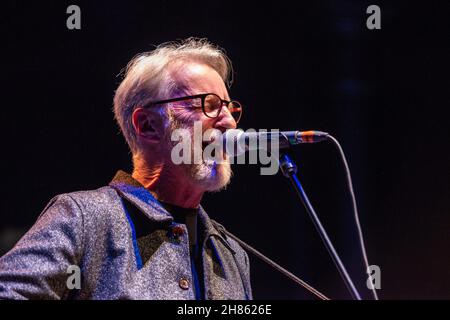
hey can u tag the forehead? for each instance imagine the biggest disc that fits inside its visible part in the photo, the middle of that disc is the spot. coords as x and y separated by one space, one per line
195 78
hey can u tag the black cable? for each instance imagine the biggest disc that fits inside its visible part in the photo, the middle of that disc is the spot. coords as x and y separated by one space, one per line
355 208
342 270
277 267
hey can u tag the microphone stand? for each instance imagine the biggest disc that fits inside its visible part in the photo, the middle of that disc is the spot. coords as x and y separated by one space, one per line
289 170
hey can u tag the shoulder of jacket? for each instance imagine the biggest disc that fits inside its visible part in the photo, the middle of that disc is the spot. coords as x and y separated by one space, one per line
92 198
99 203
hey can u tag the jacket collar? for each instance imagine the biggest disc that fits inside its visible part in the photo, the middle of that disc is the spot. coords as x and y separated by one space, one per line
132 190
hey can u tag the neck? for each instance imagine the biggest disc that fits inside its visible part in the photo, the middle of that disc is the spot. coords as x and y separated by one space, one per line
167 183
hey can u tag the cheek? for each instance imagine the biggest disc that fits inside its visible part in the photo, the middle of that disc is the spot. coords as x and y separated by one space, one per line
207 123
188 118
185 116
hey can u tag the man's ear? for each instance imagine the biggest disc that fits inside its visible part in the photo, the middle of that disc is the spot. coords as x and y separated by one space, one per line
145 126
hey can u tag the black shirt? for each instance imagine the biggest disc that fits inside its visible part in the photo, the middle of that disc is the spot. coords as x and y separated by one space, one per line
190 218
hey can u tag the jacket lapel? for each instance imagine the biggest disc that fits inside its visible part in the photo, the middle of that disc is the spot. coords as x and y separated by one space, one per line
221 276
136 194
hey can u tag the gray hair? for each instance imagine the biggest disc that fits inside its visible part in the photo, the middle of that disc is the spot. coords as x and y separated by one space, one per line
147 77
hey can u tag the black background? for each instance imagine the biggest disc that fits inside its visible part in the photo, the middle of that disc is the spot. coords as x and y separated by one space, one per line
311 65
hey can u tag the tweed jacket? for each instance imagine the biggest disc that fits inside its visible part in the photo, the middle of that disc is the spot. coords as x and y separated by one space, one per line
96 232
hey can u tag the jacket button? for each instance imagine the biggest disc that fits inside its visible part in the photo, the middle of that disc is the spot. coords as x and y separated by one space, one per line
177 231
184 284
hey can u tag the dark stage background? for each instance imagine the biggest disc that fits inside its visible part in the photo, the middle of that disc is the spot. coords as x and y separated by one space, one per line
311 65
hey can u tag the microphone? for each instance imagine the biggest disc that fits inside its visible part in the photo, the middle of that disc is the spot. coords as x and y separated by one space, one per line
238 142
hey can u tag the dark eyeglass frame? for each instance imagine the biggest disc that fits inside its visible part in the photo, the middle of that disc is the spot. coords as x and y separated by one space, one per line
203 98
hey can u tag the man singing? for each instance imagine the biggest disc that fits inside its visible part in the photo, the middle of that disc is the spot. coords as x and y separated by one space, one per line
145 235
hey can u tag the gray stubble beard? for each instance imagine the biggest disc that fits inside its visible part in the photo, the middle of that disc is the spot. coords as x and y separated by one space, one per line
209 175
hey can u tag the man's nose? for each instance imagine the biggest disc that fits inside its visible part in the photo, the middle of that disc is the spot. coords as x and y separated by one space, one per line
225 120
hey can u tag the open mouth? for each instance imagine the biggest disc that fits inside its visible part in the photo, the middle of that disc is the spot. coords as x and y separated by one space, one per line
209 154
213 151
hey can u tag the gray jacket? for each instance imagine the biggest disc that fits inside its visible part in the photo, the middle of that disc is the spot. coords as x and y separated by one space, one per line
94 231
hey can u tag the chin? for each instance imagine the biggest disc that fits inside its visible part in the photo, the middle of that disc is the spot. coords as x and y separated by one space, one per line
211 176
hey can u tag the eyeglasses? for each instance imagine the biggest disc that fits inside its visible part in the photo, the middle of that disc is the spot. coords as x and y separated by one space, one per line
210 103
